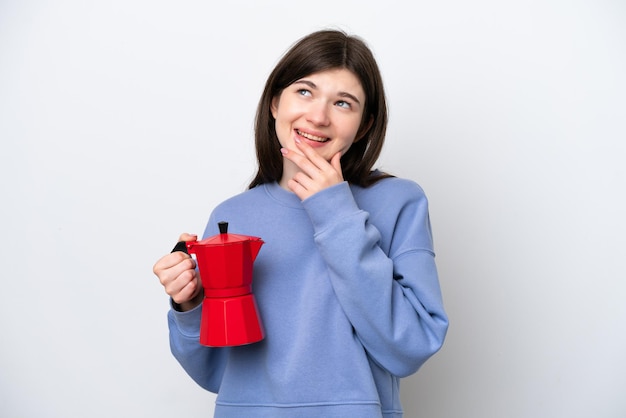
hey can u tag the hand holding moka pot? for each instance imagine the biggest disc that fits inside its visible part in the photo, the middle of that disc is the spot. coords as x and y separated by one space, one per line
230 315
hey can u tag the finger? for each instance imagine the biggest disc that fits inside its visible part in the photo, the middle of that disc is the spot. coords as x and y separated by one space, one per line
170 260
183 287
310 152
298 189
186 294
185 271
335 162
187 237
303 181
322 173
302 161
176 278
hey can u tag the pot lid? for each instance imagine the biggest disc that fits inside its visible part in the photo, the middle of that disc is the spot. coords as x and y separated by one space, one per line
224 238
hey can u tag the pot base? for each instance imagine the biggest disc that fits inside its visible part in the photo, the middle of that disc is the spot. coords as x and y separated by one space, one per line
230 321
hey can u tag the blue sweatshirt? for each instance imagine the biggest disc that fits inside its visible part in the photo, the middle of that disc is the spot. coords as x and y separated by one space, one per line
349 297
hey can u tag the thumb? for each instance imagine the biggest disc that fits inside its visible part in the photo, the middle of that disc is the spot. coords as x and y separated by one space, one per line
335 162
187 237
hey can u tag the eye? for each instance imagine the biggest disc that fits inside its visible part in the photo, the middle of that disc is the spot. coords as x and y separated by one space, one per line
344 104
303 92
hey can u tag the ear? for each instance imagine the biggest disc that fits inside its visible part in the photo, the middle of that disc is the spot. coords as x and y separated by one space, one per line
364 129
274 106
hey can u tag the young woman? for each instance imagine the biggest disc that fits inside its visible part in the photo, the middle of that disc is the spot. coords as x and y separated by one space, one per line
346 282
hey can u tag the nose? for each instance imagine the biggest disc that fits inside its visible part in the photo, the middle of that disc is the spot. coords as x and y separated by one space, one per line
318 114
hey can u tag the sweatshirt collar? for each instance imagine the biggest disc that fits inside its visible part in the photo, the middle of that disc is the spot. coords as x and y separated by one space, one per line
282 196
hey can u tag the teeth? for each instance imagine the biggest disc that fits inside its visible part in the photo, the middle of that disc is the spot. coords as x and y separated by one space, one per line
312 137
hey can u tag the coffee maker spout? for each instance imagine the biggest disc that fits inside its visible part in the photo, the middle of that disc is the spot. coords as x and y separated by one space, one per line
255 247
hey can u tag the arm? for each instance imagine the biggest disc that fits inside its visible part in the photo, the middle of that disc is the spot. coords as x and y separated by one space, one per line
176 272
392 296
204 365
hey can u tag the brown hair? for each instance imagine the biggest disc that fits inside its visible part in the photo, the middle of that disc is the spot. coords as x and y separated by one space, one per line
320 51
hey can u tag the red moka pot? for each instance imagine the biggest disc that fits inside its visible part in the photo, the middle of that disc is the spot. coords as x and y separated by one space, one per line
230 315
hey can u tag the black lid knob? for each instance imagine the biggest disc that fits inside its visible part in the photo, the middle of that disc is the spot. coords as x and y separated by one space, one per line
223 226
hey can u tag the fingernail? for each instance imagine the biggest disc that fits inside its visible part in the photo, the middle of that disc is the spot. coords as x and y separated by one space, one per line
284 151
298 141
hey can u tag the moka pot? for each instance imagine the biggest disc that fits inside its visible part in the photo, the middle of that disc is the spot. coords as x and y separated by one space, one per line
230 315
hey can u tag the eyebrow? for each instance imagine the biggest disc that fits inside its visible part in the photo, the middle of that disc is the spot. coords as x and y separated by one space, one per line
340 94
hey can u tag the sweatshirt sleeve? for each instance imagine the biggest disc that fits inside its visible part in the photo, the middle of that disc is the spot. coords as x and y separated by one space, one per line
203 364
392 295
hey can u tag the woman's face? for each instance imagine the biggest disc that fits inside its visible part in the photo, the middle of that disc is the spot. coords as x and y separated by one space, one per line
322 109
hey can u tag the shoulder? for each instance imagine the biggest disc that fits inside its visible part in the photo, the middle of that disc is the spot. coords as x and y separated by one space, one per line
239 211
240 204
398 208
392 189
245 197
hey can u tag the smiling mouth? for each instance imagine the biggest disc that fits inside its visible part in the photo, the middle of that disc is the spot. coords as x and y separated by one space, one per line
312 137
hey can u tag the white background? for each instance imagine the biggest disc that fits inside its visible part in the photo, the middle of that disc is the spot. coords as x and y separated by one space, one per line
124 122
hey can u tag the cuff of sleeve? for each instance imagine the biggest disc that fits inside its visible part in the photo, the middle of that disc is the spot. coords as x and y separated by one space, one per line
328 206
188 323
